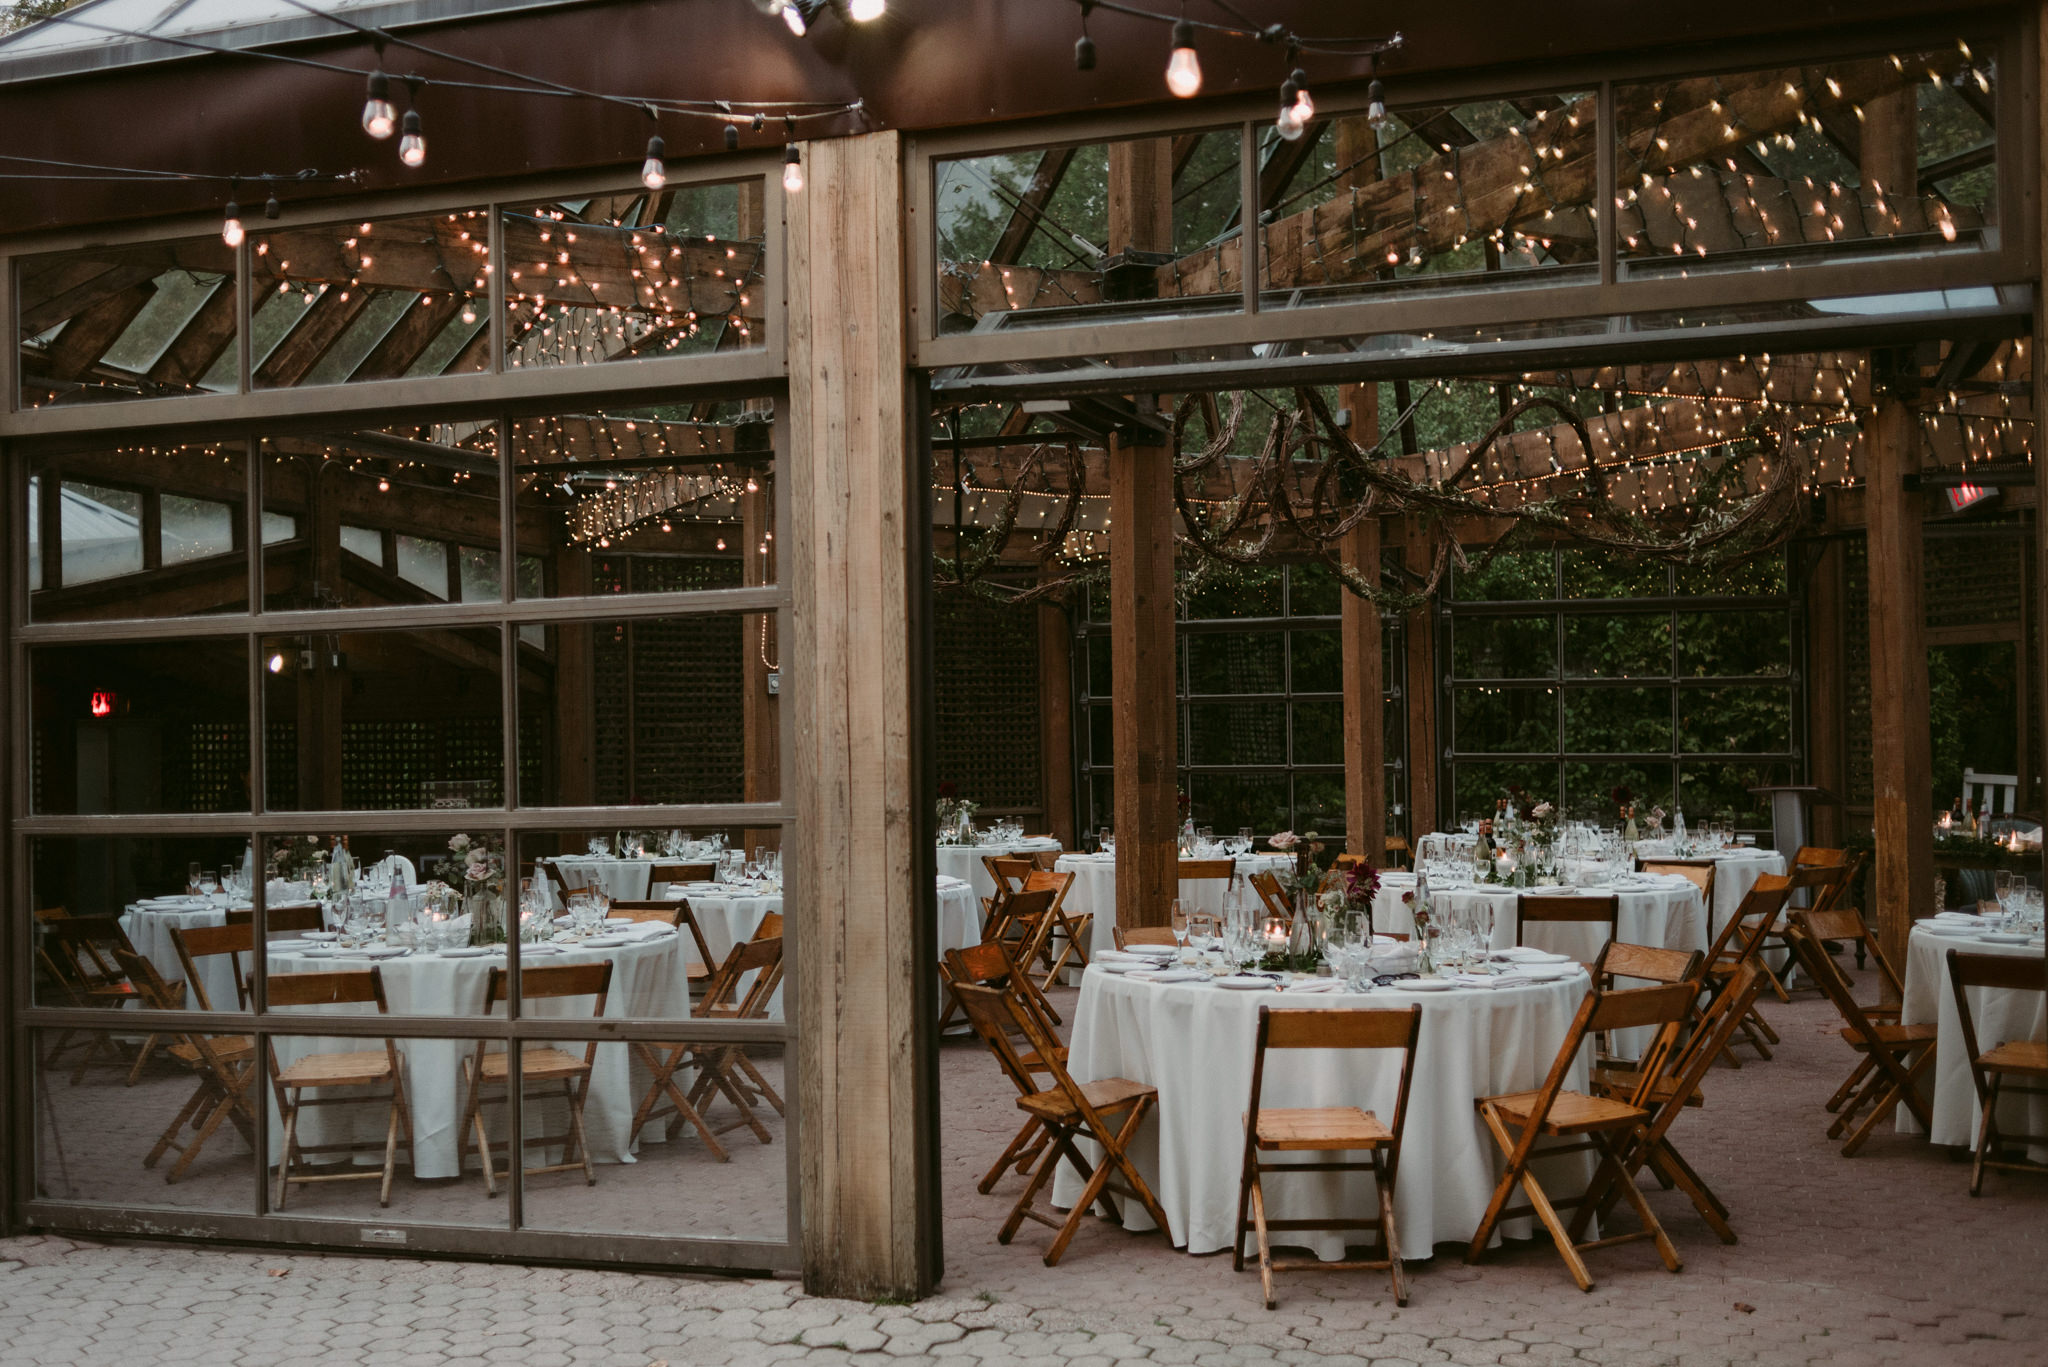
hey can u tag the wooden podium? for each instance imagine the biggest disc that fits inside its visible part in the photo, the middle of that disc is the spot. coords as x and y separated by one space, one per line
1791 806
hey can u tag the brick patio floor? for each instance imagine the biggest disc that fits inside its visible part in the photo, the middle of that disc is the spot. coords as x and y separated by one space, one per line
1880 1258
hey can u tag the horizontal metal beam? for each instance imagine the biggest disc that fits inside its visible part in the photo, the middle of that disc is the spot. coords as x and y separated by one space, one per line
148 824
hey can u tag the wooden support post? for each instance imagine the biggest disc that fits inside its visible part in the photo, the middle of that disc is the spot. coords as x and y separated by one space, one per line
1141 195
1826 745
1900 741
575 702
865 993
760 718
1056 722
1888 157
1365 787
1420 689
1144 703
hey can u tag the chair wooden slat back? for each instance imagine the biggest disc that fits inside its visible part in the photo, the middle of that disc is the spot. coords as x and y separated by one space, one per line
1127 936
1349 1027
1206 870
1047 860
682 873
341 987
680 915
1647 963
1631 1008
759 956
1752 919
554 980
1560 910
1819 857
1699 872
193 943
1266 884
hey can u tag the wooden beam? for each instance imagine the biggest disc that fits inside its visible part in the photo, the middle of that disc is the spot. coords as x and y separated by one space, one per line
1900 741
1420 691
1056 722
1141 195
866 989
408 338
200 342
1030 206
1826 741
317 329
1143 698
1364 667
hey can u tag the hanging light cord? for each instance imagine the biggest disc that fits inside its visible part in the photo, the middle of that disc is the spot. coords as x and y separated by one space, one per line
1243 26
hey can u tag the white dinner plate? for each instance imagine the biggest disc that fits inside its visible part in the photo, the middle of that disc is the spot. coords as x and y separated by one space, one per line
1245 982
287 946
1527 957
321 952
1950 928
2004 937
1424 984
466 952
1544 973
1119 965
604 942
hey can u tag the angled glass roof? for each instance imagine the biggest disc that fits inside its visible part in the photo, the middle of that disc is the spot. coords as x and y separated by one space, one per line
98 35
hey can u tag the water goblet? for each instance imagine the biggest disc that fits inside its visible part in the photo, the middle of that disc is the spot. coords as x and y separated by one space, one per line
1177 919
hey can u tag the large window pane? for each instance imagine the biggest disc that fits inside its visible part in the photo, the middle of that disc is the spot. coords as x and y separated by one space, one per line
1601 573
1513 575
1318 664
137 531
1505 720
1228 802
156 726
1619 647
156 320
1319 732
1589 790
1476 787
1720 792
1734 643
384 720
1236 662
1237 733
1504 648
625 276
370 299
1735 719
1617 720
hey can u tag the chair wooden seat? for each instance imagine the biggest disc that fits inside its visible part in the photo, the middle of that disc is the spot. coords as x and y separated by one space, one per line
1030 1059
536 1064
1892 1033
1570 1113
1108 1095
226 1048
1323 1127
1616 1083
2018 1056
359 1068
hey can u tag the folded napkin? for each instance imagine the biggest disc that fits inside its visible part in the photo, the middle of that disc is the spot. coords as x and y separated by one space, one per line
643 930
1394 958
1314 985
1168 975
1488 979
947 881
1118 956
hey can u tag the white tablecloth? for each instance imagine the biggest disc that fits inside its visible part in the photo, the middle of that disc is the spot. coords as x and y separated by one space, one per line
1999 1016
1094 889
1194 1042
964 861
622 880
1665 911
148 926
1735 873
647 982
728 916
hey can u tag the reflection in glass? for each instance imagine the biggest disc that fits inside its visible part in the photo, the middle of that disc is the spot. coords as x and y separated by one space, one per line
156 726
149 321
376 299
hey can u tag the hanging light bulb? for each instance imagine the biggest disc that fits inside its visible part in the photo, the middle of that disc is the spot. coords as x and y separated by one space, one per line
1304 105
861 11
412 144
1184 69
469 310
653 174
792 170
271 208
1375 104
732 138
231 226
380 120
1084 46
1288 123
793 15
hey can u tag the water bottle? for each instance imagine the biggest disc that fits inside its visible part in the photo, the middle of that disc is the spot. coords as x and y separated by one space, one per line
1678 828
397 889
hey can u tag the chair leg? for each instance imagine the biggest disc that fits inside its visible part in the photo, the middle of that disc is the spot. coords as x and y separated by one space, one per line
1539 1200
1258 1195
1388 1239
576 1099
186 1115
1987 1136
1665 1248
1850 1083
1012 1153
291 1143
1061 1144
390 1152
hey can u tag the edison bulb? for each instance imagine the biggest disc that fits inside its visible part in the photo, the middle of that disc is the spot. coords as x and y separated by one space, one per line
792 171
380 120
1184 69
860 11
653 171
231 228
412 144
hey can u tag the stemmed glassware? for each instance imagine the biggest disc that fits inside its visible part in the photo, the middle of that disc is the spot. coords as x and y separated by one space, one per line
1177 918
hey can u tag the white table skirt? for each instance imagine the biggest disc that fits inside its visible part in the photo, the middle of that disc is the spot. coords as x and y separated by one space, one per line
1667 913
1094 890
1999 1016
647 982
1194 1042
964 861
622 880
729 916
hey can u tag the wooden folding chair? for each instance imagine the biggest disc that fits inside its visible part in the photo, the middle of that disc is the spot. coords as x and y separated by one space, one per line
1020 924
292 918
1891 1056
1598 1124
1740 941
1989 1068
1009 873
1204 871
1622 965
1847 926
320 1072
194 943
223 1065
1047 860
1323 1130
1821 876
79 955
1143 935
1561 910
1073 931
1667 1095
723 1069
1699 872
541 1064
152 993
663 875
1397 852
986 965
1266 884
1069 1110
679 915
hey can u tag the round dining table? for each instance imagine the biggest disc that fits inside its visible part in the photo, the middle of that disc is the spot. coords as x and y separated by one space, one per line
1661 910
1094 889
1999 1015
1735 873
964 861
648 982
1194 1042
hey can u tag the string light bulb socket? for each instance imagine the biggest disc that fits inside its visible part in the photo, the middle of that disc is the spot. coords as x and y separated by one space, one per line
1084 46
271 208
1288 124
1184 68
732 138
380 120
412 143
1376 104
653 173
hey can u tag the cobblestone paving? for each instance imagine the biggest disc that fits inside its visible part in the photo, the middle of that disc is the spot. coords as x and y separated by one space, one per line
1878 1259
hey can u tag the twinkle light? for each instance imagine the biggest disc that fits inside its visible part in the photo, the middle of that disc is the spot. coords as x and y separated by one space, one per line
865 11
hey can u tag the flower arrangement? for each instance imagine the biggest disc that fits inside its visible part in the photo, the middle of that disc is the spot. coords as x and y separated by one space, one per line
474 870
1306 876
299 859
952 808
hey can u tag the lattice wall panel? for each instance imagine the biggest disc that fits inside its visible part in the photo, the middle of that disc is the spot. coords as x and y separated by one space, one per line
388 764
985 659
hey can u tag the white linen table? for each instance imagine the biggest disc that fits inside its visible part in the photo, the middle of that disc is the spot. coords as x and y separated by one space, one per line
964 861
729 915
622 880
1663 910
1999 1016
1094 890
1194 1042
1735 873
148 926
647 982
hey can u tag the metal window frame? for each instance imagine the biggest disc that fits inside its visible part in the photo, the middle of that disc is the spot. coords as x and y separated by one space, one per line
246 417
1613 291
1667 607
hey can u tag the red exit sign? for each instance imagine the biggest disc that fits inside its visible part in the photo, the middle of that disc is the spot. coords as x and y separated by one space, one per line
103 704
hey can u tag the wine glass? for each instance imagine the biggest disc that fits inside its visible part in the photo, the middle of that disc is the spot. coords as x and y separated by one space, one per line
209 882
1177 918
